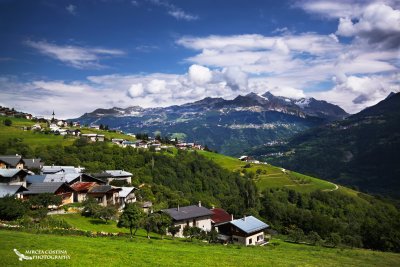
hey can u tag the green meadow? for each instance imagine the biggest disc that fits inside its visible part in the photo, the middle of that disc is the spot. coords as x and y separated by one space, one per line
121 251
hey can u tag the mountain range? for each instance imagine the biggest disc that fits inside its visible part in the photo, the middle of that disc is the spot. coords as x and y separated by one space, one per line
228 126
361 150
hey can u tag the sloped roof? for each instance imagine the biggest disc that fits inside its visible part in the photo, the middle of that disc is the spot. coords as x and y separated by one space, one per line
61 177
41 188
249 224
126 191
83 186
66 169
11 190
33 163
220 216
10 172
103 189
188 212
34 179
118 173
12 160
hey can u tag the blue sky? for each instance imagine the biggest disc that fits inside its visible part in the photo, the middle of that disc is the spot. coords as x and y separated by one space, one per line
76 56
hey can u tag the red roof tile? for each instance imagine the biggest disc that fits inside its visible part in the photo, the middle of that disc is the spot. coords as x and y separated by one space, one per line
220 216
83 186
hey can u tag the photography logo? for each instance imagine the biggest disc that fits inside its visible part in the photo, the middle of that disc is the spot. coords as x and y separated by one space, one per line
42 254
21 256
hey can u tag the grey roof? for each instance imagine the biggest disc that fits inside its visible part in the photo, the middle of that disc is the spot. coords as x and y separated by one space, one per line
11 190
33 163
41 188
118 173
249 224
34 179
187 212
61 177
66 169
126 191
102 189
12 160
10 172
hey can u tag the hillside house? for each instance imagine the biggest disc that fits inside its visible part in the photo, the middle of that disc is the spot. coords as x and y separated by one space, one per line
194 216
141 144
220 216
127 195
13 177
59 189
247 231
33 164
105 194
128 143
81 190
60 169
12 162
11 190
114 175
70 178
93 137
117 141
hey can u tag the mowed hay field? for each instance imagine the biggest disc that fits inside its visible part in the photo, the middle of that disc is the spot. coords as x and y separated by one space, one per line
121 251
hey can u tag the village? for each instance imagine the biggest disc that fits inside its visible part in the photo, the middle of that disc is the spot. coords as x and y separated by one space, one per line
73 185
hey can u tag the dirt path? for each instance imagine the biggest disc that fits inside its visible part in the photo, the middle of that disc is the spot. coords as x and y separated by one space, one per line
331 190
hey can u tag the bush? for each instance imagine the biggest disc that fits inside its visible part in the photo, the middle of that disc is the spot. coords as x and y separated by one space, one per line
7 122
11 208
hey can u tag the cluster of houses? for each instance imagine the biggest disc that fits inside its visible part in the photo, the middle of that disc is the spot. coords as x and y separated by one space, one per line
68 182
74 186
4 111
156 144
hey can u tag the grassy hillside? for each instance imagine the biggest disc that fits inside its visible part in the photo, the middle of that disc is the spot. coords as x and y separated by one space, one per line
85 251
270 176
37 139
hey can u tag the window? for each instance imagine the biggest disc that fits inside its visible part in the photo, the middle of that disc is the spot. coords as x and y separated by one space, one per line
260 237
235 239
250 241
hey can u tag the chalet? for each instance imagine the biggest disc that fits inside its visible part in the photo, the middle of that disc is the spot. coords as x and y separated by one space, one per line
12 162
13 177
59 189
127 195
105 194
11 190
220 216
147 206
111 175
94 137
93 126
247 230
76 124
36 127
81 190
141 144
194 216
33 164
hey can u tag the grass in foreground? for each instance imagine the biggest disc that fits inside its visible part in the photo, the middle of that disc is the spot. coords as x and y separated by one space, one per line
121 251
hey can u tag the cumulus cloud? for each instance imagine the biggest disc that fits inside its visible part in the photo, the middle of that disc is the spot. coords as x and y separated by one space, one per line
156 86
378 24
75 56
199 75
136 90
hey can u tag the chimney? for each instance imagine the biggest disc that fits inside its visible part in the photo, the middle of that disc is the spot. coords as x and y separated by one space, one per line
231 217
178 208
244 218
199 203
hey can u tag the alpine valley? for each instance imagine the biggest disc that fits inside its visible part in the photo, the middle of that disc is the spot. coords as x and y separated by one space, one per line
227 126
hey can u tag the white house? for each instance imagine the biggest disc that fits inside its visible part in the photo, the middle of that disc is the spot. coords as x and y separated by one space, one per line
193 216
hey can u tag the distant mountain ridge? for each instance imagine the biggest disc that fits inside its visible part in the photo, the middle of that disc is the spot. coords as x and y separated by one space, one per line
229 126
361 150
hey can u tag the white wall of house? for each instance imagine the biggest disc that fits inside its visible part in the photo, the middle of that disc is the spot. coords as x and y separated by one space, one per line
202 223
251 240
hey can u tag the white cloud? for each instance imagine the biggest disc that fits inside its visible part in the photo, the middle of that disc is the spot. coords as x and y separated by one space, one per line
156 86
175 11
75 56
199 75
136 90
71 9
